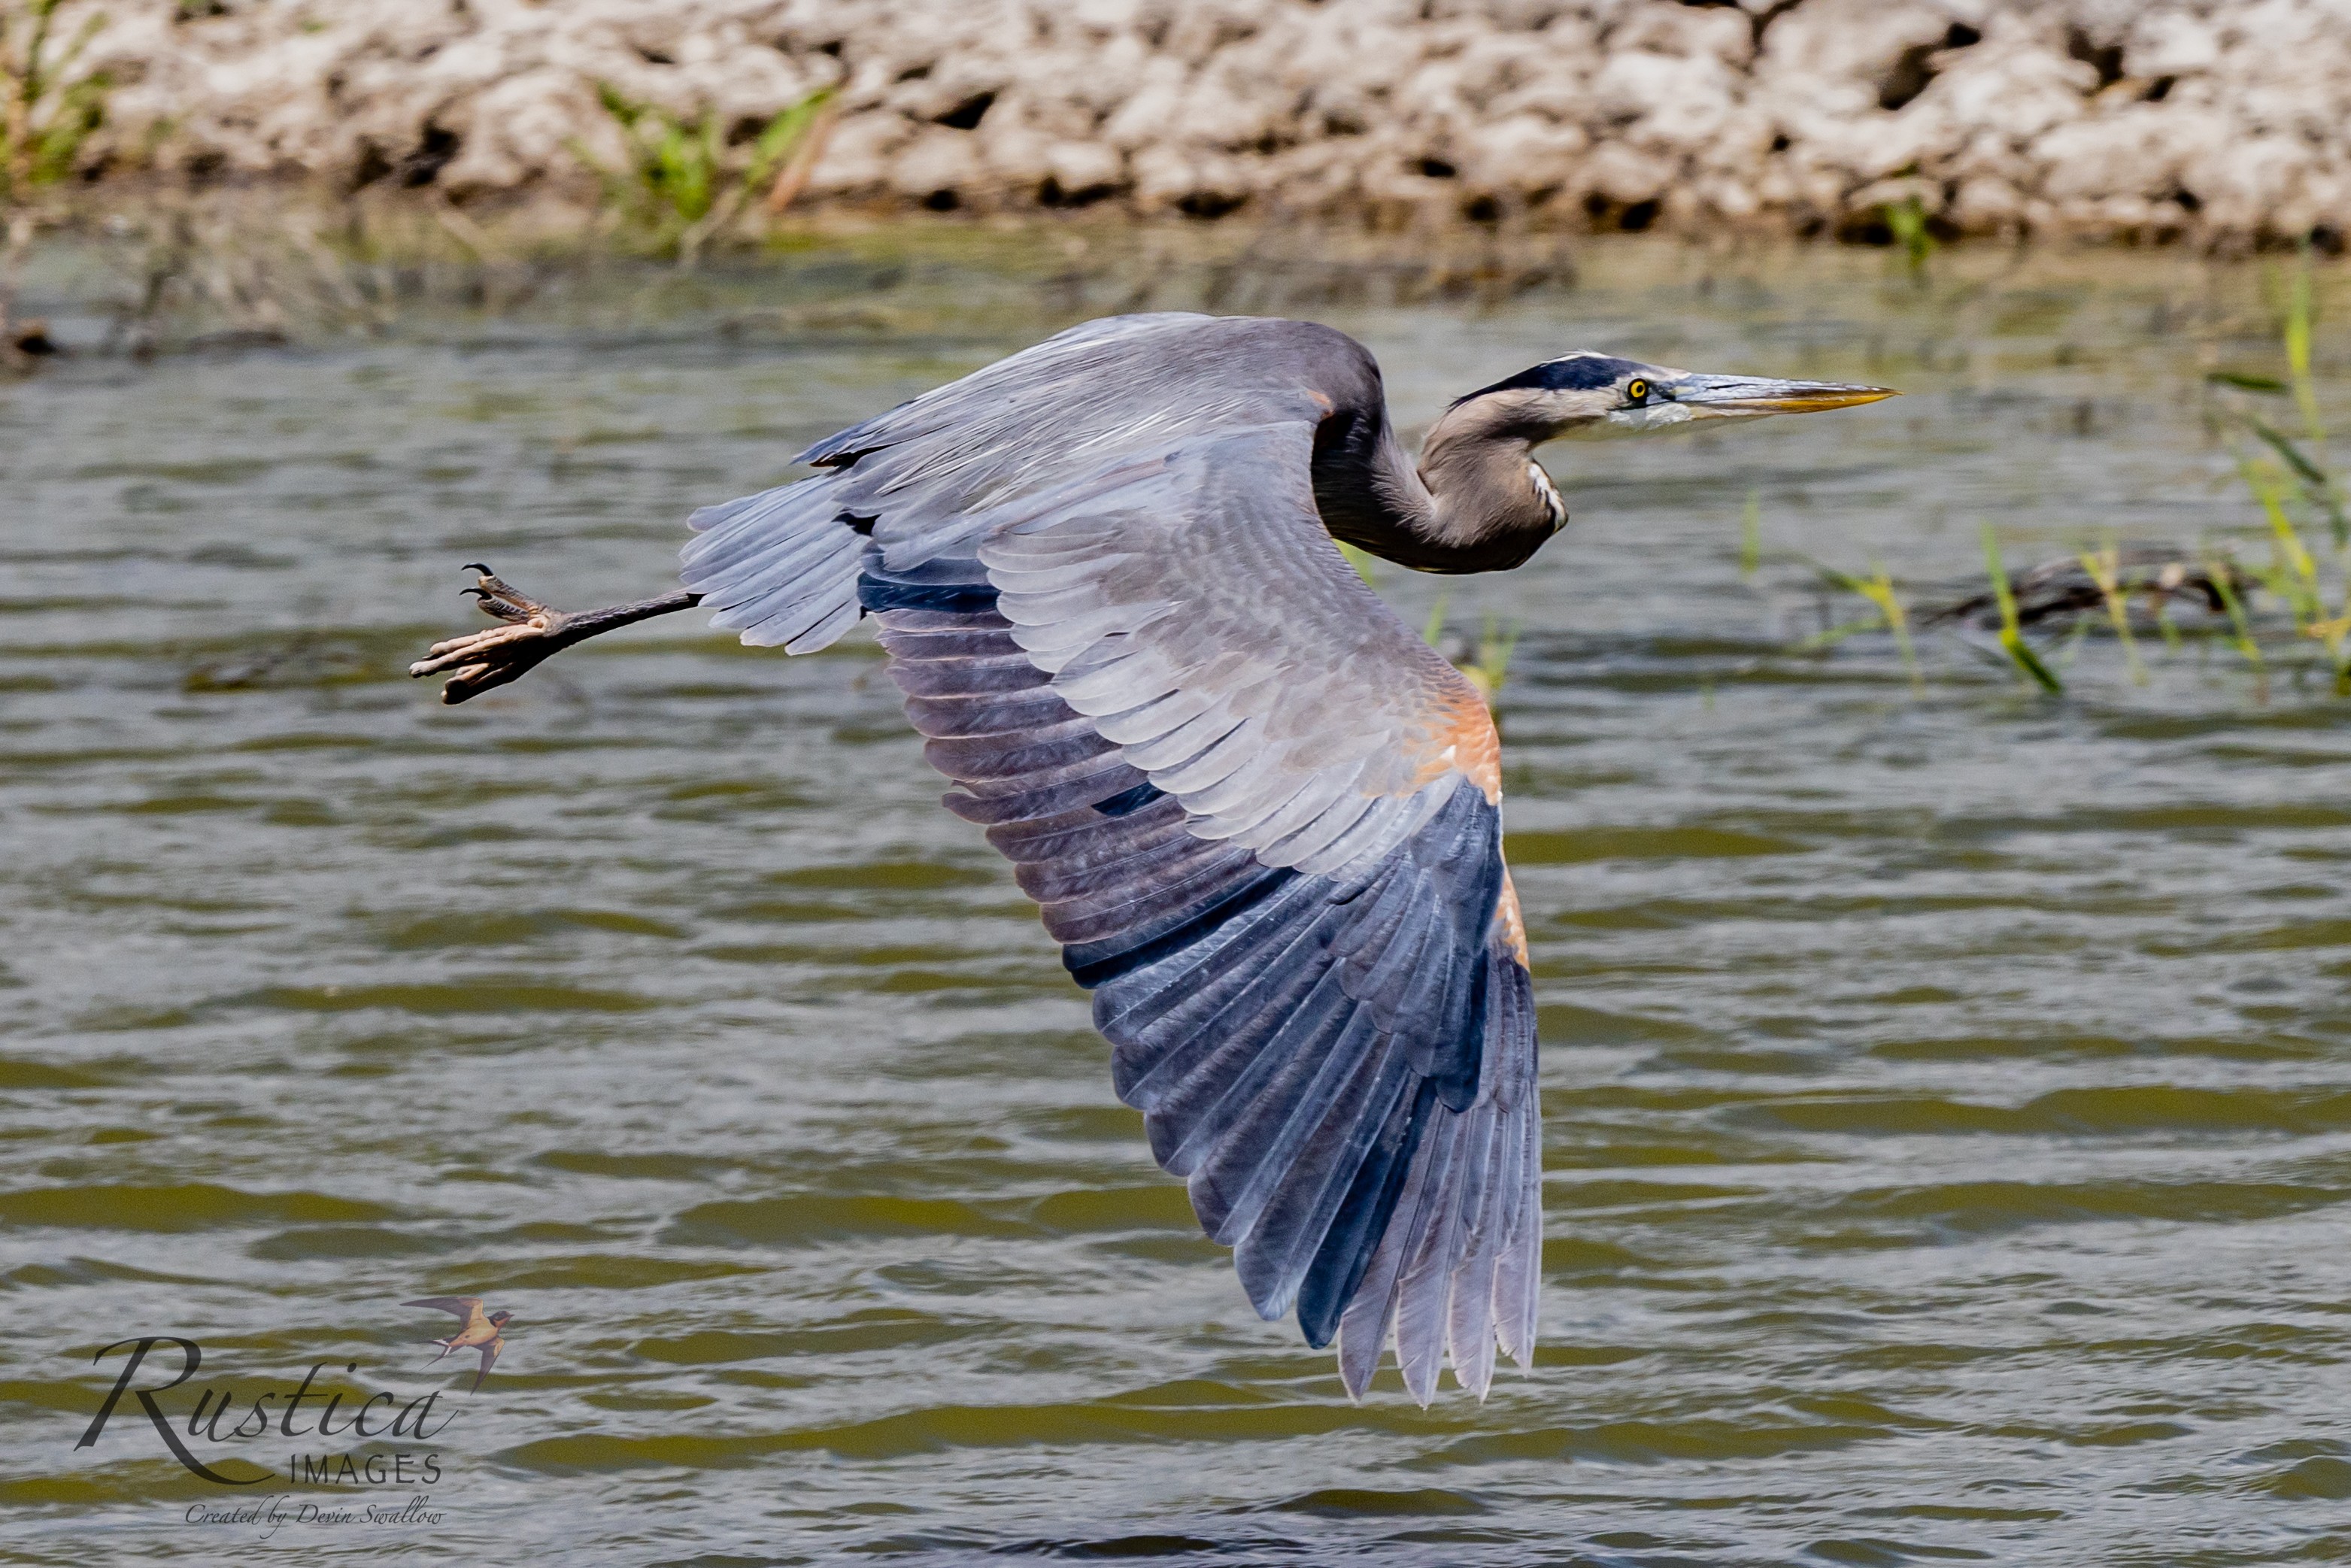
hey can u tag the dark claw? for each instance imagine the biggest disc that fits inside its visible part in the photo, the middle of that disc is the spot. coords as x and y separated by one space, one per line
500 598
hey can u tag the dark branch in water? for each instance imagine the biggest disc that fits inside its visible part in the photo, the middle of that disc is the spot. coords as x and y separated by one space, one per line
2057 590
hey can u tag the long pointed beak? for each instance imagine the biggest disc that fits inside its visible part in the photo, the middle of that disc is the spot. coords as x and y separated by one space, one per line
1762 394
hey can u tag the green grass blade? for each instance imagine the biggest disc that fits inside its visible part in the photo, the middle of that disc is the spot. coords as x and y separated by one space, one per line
1878 588
2294 575
1835 634
783 135
2012 631
2297 347
2105 568
2240 625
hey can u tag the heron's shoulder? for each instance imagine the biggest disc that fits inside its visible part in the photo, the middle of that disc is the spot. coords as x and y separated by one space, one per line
1185 323
1156 373
1262 343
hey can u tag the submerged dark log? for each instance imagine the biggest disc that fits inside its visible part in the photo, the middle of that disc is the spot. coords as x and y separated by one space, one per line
2147 576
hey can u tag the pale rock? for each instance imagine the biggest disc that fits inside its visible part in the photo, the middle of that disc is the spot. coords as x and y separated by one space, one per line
1082 170
1639 86
1198 29
1986 204
1097 83
2240 182
937 163
520 129
1856 41
1321 107
950 86
1562 92
2171 43
1102 18
1015 154
1319 176
2017 81
1218 109
1719 32
1987 153
1200 181
1777 187
1525 154
2140 150
1890 193
1152 115
1725 197
1625 175
2120 215
1742 141
859 155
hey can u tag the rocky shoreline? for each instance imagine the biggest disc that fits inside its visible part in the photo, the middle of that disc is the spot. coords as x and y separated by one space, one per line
2211 123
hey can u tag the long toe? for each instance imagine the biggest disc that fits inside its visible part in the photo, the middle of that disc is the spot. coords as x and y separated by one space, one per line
486 659
500 598
474 679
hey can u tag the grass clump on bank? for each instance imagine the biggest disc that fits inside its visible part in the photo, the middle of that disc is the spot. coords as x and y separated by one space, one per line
48 112
682 183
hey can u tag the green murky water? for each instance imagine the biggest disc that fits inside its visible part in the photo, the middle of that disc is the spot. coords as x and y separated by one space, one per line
1949 1094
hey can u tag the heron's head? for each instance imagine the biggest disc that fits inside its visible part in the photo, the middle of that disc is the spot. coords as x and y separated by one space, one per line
1493 504
1588 393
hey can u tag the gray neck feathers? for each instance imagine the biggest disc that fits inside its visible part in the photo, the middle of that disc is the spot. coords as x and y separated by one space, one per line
1490 505
1477 501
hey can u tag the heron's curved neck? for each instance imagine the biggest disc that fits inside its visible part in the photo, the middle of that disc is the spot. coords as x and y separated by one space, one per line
1477 501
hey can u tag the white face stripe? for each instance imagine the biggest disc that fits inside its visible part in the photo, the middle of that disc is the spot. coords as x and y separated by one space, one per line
1654 415
1547 494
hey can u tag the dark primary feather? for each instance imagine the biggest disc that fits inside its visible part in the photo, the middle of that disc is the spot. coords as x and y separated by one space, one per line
1255 809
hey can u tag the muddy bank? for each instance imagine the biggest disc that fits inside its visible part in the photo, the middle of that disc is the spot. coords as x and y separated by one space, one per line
2171 120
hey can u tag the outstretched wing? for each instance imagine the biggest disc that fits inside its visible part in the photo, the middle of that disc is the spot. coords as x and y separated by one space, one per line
468 1308
489 1357
1261 816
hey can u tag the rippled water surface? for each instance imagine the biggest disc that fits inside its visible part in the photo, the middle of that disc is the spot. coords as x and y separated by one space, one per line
1947 1092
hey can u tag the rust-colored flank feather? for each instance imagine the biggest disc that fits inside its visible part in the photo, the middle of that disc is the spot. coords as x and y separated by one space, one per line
1462 736
1512 924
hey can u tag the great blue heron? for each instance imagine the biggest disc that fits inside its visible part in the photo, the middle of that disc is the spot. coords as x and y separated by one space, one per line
1262 817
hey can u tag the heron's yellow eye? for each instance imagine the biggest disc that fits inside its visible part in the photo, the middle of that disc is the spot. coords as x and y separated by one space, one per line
1636 389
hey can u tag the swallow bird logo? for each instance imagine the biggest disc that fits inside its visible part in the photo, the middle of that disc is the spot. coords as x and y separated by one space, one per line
483 1332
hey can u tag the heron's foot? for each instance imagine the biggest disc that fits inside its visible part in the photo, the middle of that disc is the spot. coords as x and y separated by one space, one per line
532 633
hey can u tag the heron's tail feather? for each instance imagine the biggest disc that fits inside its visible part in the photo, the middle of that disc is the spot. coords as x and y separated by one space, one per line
916 483
780 567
